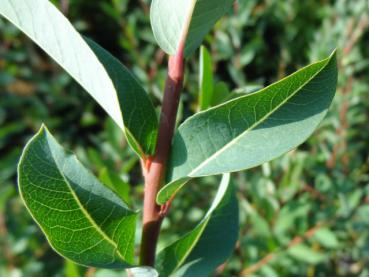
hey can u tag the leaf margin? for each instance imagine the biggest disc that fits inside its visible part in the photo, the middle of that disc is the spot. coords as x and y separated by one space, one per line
226 191
172 186
42 129
113 107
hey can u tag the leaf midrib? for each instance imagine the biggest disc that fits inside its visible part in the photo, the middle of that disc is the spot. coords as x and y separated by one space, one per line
86 213
186 26
203 224
236 139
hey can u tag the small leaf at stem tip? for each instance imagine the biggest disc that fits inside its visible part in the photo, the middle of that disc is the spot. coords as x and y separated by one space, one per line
248 131
82 219
210 243
177 21
114 88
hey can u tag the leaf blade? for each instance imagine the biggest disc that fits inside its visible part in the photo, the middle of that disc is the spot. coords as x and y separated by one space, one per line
253 129
138 112
185 22
206 79
47 27
82 220
210 243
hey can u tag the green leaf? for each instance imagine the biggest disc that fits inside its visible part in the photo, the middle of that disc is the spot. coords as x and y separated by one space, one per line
138 112
285 220
220 93
253 129
71 269
307 255
260 224
116 184
175 22
82 219
240 92
327 238
208 245
101 75
206 79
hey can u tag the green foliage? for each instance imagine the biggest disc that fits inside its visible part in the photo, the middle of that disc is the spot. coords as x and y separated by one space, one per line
209 244
253 129
304 253
323 185
108 82
206 87
82 219
175 21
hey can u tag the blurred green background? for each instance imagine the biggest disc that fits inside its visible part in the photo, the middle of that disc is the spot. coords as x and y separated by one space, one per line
304 214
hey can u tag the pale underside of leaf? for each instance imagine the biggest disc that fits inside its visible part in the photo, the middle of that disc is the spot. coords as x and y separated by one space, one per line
253 129
46 26
185 21
82 220
209 244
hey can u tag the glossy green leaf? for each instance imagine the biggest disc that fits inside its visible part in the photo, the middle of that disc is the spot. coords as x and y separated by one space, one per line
240 92
209 244
206 79
82 219
185 21
253 129
101 75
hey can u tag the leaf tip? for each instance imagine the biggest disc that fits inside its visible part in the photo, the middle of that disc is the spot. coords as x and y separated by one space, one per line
333 55
43 129
41 132
334 52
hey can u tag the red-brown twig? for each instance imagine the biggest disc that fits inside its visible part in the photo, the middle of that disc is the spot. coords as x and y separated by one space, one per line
155 169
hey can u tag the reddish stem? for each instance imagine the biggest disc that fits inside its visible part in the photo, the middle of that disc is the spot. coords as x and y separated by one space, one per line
155 168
